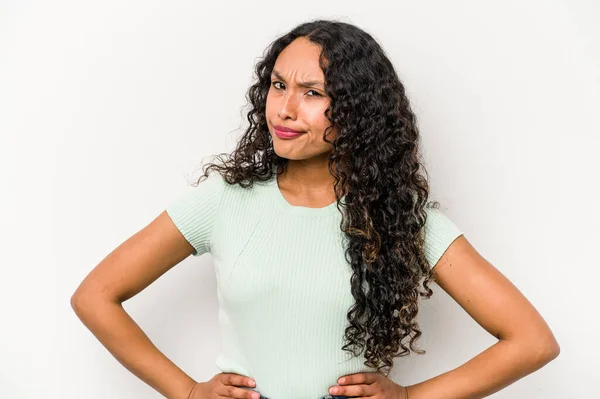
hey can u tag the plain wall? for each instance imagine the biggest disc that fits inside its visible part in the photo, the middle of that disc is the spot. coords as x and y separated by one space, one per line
108 108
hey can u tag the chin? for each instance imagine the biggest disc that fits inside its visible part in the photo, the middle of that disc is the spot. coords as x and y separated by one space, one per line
288 153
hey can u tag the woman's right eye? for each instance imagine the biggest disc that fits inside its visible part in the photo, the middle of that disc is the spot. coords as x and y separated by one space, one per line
275 85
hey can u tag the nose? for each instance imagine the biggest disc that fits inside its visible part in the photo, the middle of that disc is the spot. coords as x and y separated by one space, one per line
288 107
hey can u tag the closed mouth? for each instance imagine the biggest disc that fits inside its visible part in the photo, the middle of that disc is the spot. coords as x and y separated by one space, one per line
285 129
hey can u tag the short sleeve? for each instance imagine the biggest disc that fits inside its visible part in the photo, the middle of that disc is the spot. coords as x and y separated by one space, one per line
195 212
440 231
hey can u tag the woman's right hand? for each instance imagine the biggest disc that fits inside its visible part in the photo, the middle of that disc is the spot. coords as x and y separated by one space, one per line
225 385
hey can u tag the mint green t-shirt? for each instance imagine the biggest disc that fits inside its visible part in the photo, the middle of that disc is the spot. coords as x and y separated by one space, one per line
283 283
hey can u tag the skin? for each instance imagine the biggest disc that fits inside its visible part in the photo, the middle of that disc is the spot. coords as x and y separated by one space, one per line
525 342
307 181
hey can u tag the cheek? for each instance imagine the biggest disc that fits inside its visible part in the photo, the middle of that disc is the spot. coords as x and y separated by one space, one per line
268 106
271 103
316 117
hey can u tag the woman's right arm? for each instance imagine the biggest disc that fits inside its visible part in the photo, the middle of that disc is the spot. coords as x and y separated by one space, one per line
122 274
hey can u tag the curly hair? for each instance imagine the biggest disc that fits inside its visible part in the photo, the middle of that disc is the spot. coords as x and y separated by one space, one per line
380 182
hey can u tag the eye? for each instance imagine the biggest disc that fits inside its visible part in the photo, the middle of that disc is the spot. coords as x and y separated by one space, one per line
275 83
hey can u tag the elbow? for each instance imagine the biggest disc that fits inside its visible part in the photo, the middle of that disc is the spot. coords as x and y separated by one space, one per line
552 351
78 303
547 350
83 304
87 298
537 351
79 299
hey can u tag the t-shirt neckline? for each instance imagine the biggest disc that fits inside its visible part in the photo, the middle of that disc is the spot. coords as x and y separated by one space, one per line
283 203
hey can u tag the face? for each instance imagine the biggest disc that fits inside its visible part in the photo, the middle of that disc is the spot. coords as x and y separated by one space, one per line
297 100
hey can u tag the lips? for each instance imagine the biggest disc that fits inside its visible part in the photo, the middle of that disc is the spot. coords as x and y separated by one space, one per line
285 129
286 133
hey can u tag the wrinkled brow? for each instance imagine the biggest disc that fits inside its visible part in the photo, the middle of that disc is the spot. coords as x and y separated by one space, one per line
311 83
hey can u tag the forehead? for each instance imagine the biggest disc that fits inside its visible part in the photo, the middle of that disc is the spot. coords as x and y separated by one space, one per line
300 56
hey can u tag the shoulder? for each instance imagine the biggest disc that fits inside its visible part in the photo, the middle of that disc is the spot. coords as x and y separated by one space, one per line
206 192
195 211
439 232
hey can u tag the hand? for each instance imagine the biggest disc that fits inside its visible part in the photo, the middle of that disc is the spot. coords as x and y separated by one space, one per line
225 385
371 385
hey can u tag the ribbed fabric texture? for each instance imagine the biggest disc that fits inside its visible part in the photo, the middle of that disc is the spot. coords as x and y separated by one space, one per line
283 283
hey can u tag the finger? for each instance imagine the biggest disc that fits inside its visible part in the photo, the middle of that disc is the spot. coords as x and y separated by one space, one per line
360 378
360 390
230 391
237 380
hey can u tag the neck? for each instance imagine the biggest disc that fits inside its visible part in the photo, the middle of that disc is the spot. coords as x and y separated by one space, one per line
308 180
308 175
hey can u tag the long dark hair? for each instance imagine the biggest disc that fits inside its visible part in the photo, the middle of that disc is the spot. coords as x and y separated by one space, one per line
376 159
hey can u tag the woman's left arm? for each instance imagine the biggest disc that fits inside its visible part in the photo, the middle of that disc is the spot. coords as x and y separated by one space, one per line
526 343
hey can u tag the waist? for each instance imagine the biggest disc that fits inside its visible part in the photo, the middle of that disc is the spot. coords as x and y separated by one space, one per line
278 376
324 397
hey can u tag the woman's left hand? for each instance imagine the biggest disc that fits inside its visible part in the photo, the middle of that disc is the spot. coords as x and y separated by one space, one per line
368 385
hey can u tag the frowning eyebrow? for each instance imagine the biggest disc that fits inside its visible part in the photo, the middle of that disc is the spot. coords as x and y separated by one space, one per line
311 83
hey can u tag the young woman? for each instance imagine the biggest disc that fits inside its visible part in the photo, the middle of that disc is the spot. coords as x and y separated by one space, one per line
322 233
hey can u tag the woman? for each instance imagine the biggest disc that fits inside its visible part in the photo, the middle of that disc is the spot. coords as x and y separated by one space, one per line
321 232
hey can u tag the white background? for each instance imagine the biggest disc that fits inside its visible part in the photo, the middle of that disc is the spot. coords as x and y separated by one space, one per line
108 108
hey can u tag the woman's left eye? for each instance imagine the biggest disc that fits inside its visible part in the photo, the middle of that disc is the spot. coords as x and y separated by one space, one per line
317 94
